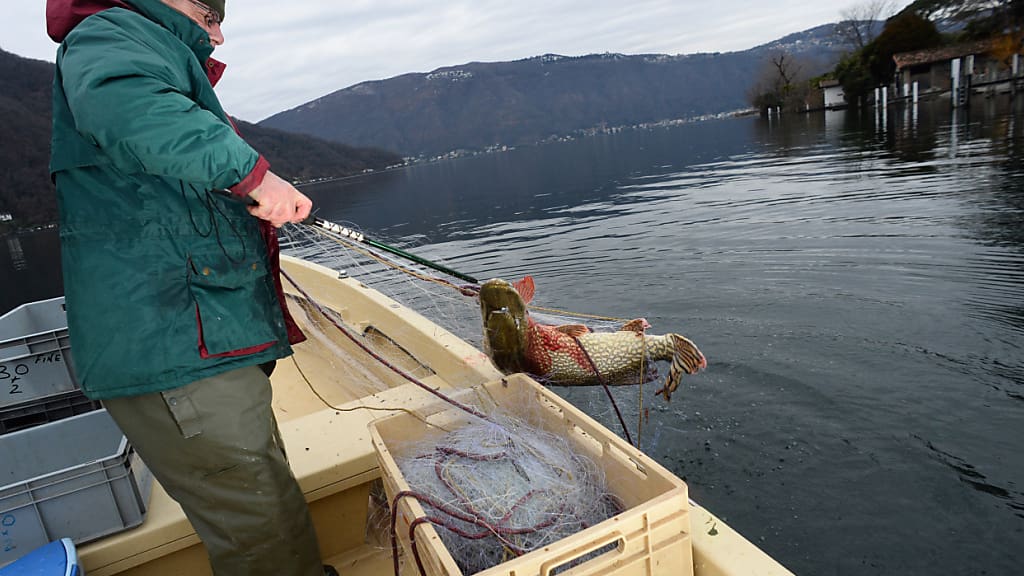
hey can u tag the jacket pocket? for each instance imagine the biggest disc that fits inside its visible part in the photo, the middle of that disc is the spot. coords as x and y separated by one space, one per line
236 314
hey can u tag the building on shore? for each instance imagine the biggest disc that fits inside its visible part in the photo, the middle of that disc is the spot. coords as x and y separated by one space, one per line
832 91
959 69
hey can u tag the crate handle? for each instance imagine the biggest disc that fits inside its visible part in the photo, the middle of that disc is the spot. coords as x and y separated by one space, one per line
582 550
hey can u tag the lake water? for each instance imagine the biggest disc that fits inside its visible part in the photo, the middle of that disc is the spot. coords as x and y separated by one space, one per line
856 283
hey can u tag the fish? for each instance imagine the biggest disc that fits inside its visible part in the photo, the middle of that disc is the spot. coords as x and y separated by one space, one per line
572 354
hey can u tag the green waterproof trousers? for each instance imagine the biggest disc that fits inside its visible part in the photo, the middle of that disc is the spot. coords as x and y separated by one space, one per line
214 446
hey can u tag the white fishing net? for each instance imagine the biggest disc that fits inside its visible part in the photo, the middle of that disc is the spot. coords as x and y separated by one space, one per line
429 292
499 486
502 485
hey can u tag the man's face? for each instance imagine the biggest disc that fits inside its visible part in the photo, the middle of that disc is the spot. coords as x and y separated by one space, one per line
204 16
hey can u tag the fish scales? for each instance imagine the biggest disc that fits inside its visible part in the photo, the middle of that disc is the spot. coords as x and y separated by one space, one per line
559 354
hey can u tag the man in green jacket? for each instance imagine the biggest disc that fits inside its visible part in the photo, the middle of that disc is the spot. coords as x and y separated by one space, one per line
173 293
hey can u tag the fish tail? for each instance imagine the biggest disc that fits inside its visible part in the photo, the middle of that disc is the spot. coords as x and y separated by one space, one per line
686 359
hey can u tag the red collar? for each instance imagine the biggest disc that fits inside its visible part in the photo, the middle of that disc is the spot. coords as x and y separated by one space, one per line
63 15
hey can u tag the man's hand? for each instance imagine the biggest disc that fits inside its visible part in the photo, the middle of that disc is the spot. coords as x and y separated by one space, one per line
279 202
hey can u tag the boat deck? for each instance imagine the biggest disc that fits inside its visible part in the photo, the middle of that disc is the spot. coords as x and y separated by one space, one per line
324 398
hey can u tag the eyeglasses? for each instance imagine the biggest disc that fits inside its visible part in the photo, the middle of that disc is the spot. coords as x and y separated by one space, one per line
210 17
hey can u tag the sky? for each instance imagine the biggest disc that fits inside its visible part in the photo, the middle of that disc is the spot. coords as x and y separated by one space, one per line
281 55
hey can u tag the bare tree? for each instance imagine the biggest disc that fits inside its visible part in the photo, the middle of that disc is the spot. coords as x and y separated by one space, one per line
782 83
861 23
787 67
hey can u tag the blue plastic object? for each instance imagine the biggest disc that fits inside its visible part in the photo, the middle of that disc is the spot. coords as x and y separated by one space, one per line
58 558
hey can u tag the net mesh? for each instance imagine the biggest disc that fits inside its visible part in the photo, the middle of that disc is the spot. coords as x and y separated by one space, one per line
500 485
441 299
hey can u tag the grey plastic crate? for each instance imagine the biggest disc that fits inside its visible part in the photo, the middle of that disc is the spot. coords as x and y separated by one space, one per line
44 410
75 478
35 355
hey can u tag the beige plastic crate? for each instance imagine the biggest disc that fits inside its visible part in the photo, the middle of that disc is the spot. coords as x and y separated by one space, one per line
651 537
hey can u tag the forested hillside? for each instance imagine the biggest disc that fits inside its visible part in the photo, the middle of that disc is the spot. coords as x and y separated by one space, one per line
25 189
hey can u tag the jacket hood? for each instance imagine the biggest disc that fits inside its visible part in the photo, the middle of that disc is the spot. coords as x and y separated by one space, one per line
63 15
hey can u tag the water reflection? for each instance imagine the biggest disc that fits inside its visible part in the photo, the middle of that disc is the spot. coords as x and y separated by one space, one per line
978 147
16 252
30 268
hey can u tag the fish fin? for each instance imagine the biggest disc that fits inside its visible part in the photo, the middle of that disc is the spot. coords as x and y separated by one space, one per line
525 288
637 325
685 359
574 330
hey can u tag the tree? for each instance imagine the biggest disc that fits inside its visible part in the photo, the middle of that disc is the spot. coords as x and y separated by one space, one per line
1005 46
872 65
783 84
860 23
854 73
904 32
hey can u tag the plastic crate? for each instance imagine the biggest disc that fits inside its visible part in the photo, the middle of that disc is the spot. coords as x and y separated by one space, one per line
76 478
35 359
650 537
44 410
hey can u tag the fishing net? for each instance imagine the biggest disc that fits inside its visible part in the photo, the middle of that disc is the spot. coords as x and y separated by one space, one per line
446 301
451 304
501 485
419 288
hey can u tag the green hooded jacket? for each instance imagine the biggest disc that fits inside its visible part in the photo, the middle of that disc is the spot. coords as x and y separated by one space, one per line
165 282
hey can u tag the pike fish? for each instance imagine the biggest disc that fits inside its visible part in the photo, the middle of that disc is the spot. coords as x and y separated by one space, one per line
568 354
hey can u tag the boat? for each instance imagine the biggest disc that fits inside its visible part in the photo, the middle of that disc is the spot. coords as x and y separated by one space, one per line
324 413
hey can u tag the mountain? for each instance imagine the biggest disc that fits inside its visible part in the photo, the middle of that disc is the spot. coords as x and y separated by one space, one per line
478 105
300 157
25 189
25 111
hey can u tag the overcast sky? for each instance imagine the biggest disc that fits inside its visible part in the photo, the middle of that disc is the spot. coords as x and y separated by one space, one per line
283 54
